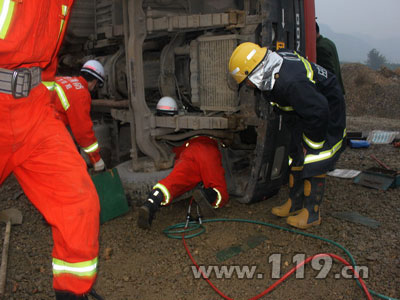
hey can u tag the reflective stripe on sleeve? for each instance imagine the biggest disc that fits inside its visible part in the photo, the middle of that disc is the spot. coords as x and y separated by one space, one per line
219 198
6 12
312 144
284 108
64 12
307 65
93 147
86 268
164 190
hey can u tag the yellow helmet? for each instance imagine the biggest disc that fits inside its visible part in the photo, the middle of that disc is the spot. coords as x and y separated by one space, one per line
244 59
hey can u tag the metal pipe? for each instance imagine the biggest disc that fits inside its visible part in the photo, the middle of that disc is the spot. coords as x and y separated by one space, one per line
111 103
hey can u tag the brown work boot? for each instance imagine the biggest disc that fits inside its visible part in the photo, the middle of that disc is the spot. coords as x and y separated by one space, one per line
296 195
313 193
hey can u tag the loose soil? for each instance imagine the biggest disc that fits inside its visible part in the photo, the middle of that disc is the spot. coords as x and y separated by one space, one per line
147 265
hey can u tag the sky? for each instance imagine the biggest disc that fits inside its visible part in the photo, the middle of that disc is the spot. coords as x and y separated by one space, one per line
375 18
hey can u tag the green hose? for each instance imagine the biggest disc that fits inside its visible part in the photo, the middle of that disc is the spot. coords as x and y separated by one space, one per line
171 232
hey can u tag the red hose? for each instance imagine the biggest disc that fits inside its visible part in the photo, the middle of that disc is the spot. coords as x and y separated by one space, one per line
284 277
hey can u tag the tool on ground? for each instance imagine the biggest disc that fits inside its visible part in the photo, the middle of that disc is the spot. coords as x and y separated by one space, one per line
113 202
11 216
358 144
355 217
190 218
249 243
379 162
378 178
381 137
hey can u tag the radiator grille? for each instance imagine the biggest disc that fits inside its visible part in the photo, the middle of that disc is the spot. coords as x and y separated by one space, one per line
212 90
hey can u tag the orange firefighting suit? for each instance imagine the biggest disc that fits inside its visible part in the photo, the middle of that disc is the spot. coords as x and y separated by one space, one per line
73 105
198 160
37 148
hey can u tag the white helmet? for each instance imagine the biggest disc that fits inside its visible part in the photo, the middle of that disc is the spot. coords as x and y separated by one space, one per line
94 68
167 106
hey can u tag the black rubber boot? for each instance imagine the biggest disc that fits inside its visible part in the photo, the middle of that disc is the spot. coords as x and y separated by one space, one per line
204 199
148 210
69 296
314 188
296 195
95 295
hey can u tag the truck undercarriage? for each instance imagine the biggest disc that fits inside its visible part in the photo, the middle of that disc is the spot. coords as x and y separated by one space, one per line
155 48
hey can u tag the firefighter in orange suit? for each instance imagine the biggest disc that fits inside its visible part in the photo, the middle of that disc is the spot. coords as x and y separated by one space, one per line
73 105
36 147
198 160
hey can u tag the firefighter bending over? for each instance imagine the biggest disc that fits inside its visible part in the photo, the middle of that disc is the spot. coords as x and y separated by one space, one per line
198 161
313 97
73 106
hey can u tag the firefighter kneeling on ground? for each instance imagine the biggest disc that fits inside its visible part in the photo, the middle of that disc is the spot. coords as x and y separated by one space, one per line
198 160
313 97
73 107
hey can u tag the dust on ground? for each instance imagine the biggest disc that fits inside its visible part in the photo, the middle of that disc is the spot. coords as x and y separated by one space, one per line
146 265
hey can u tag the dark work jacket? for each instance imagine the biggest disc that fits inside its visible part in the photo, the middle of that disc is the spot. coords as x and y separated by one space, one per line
314 95
327 57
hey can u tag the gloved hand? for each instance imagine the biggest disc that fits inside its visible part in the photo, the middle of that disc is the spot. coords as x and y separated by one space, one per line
99 165
94 156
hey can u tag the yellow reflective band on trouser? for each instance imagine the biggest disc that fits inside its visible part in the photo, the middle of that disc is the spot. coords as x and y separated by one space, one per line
284 108
219 198
81 269
311 158
93 147
307 65
64 12
164 190
313 144
6 12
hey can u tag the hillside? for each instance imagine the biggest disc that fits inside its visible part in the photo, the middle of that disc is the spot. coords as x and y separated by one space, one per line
371 93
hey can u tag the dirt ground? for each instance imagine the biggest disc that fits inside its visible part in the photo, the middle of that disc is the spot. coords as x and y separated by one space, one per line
147 265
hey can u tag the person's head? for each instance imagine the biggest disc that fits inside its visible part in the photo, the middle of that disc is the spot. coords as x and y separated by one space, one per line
257 66
317 28
93 72
167 106
244 59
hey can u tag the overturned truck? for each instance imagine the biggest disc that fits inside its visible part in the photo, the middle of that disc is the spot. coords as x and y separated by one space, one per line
181 48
